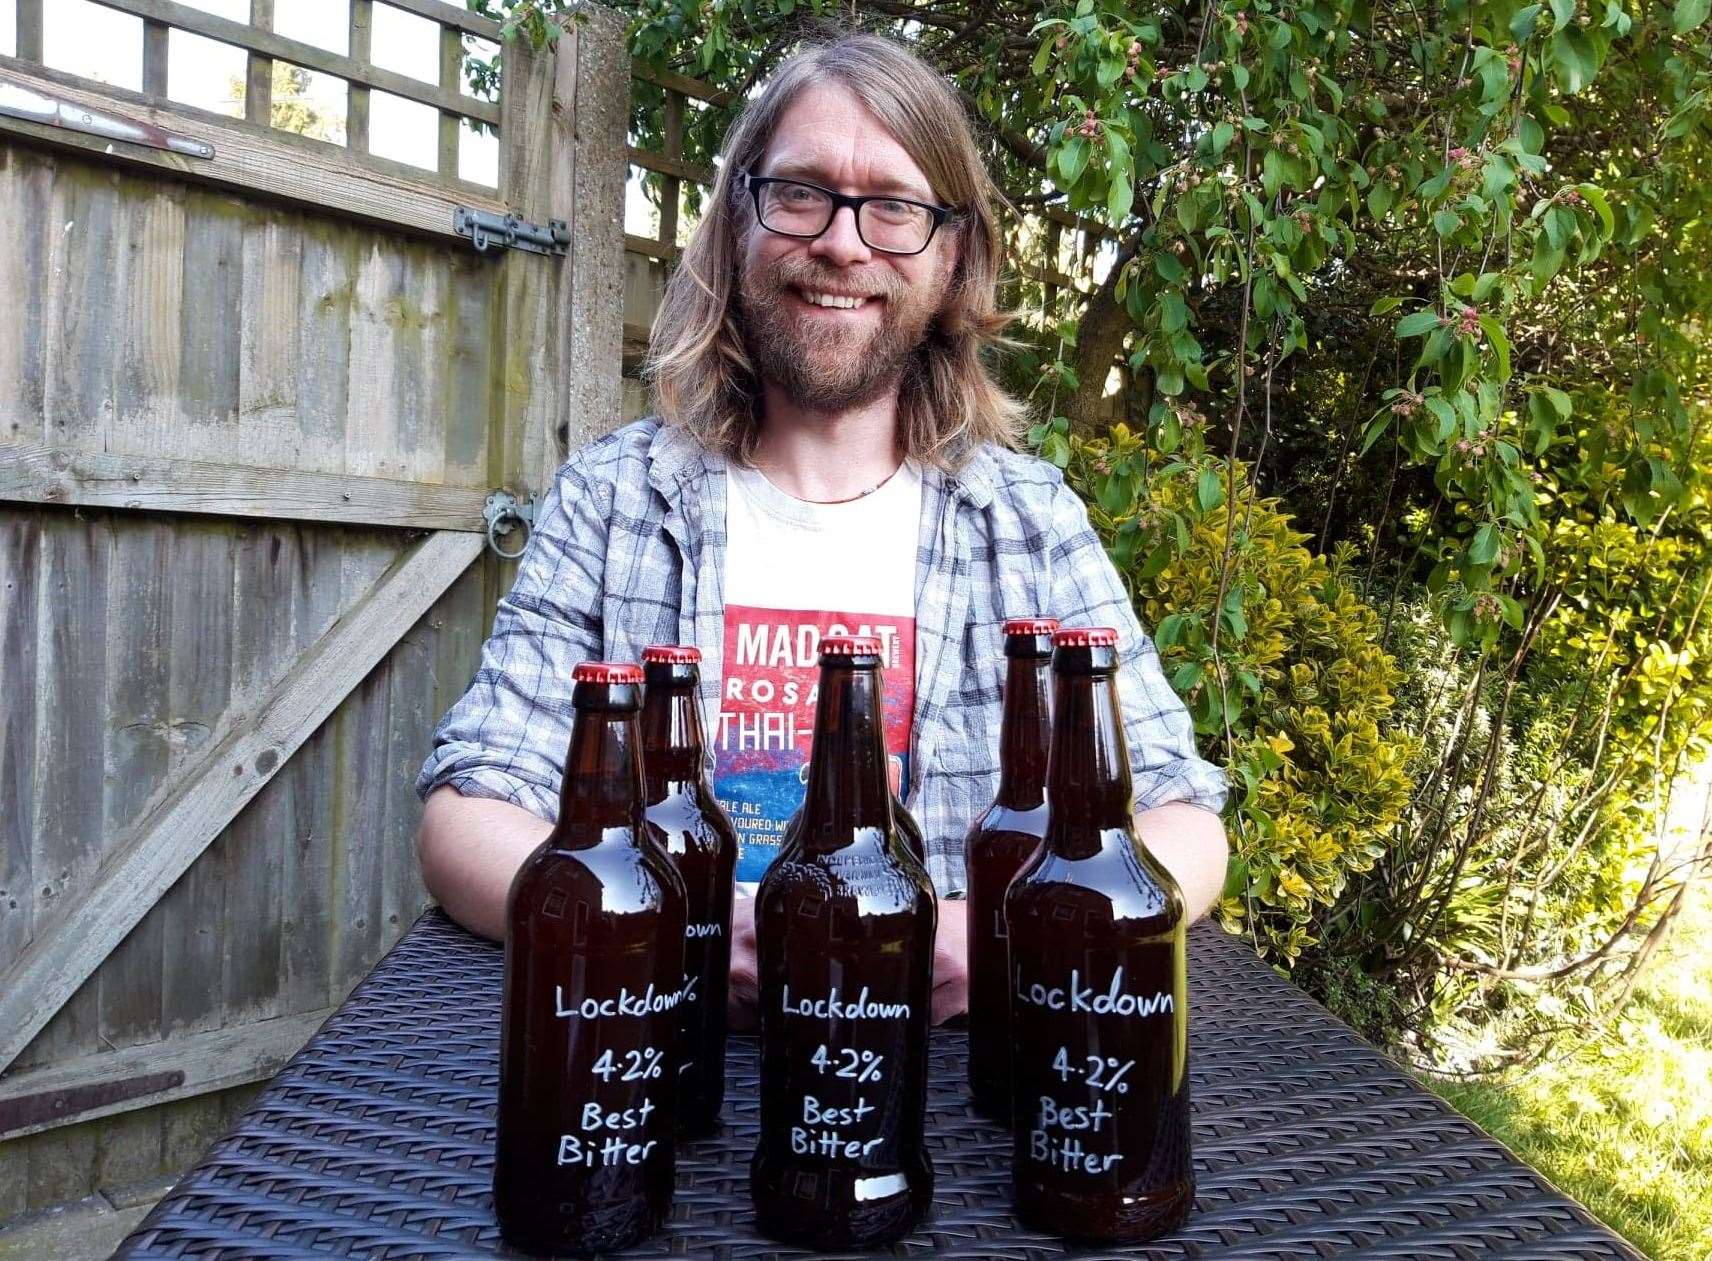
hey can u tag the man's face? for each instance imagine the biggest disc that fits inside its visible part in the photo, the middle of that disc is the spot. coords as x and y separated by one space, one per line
829 358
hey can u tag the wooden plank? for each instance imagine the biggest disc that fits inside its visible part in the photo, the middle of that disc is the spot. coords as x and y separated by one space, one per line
20 569
140 737
258 77
275 164
650 161
148 414
29 29
306 852
85 332
450 15
652 249
671 188
209 329
325 288
32 473
47 1098
68 837
246 858
357 96
155 46
210 791
201 662
269 45
270 345
679 83
451 74
26 267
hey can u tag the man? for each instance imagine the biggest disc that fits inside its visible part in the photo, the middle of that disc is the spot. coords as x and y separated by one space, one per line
832 455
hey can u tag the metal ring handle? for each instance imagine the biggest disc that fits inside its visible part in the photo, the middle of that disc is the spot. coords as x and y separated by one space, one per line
501 513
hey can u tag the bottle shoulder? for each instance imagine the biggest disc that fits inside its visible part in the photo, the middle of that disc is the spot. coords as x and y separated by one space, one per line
625 871
1112 885
870 879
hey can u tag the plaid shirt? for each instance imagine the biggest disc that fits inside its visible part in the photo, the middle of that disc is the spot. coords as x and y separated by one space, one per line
629 550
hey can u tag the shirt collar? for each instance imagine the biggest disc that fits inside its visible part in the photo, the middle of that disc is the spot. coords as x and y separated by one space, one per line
674 456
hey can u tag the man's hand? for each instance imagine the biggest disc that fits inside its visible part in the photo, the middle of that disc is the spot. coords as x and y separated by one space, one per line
951 962
742 1003
950 965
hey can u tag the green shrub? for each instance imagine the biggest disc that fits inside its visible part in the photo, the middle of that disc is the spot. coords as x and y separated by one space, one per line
1304 725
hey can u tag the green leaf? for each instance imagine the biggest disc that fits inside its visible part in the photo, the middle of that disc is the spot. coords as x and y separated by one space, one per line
1375 428
1209 490
1500 344
1173 312
1120 198
1417 323
1169 268
1689 14
1073 159
1382 305
1577 58
1186 676
1522 24
1483 550
1445 222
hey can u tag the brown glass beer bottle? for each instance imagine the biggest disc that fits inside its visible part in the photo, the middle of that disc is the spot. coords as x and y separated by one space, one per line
594 976
844 926
998 844
702 845
1099 988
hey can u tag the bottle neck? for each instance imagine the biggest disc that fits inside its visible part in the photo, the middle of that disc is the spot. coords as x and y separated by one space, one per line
1025 732
1088 776
603 777
847 784
671 738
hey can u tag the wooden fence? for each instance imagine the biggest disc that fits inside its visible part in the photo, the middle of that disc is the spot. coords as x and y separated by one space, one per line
255 390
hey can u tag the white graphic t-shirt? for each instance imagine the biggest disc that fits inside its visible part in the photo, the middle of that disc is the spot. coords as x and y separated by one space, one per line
796 571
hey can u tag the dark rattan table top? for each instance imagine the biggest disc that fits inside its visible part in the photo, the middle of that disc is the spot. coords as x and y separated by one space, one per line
376 1141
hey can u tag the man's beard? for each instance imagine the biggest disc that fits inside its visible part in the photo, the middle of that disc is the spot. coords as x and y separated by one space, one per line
830 368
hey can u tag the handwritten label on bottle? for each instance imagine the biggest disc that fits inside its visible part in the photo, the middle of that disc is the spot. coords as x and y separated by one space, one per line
1073 1108
840 1106
613 1125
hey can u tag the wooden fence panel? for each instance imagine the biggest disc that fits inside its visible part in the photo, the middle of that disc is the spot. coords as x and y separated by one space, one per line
240 389
354 350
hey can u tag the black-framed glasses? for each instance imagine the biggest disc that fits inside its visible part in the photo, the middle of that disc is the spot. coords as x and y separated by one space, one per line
892 225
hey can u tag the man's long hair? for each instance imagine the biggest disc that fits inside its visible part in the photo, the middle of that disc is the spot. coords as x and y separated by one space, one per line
948 402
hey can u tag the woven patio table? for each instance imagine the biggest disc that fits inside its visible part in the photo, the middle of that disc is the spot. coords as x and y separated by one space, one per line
376 1141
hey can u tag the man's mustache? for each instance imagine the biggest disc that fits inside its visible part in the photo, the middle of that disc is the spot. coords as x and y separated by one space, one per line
791 273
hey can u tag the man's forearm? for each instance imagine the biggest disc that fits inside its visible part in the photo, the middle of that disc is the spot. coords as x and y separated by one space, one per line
1191 842
470 849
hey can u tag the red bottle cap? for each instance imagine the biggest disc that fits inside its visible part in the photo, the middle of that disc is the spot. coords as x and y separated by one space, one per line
1031 626
672 654
606 672
850 646
1085 637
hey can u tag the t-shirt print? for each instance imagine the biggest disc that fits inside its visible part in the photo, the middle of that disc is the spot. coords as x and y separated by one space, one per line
766 715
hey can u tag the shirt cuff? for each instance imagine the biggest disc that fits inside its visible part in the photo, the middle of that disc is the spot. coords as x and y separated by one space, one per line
1192 780
492 784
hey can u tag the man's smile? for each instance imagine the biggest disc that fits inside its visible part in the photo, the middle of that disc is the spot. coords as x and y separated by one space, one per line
827 300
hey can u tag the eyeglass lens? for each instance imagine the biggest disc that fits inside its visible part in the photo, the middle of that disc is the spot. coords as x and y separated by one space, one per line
799 210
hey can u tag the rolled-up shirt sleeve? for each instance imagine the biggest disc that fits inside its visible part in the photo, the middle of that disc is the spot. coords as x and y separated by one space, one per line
1086 591
506 737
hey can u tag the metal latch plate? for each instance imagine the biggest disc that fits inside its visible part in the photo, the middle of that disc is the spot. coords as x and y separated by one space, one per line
488 232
